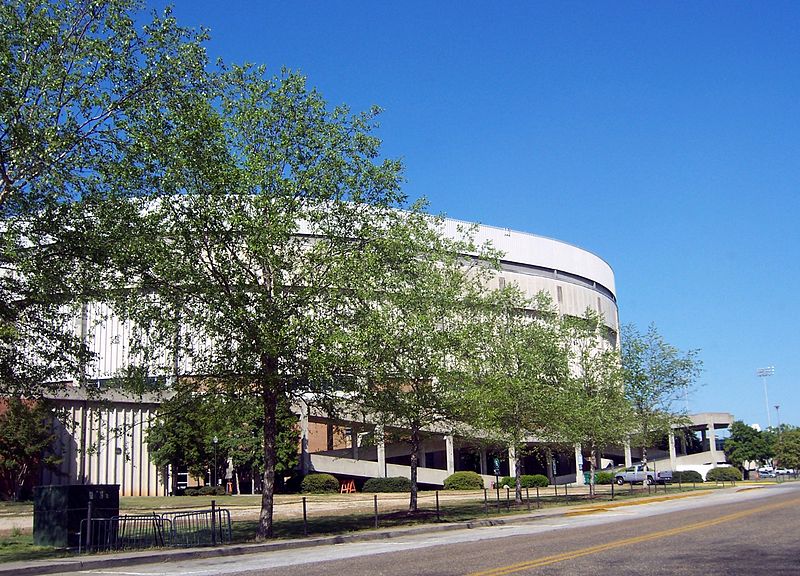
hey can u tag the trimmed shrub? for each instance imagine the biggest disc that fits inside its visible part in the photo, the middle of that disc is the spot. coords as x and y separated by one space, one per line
526 481
207 491
191 492
463 481
687 477
319 484
507 481
393 484
603 477
726 474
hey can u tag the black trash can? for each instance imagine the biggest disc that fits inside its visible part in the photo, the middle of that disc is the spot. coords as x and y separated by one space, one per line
58 511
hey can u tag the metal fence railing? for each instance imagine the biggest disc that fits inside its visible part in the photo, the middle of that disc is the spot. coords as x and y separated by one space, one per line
171 529
199 527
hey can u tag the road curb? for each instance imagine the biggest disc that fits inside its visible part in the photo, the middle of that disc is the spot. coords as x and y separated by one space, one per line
74 564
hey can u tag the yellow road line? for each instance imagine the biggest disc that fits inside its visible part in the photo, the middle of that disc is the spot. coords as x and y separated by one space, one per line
519 567
637 502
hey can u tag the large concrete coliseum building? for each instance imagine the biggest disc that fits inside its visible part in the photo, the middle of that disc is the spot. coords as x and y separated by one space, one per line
107 442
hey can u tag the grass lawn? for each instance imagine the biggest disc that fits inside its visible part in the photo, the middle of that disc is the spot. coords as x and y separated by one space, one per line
331 514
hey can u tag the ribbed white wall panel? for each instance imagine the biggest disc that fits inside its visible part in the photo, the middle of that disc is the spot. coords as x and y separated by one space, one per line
115 451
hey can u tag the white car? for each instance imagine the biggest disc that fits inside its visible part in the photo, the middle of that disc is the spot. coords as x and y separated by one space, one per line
784 471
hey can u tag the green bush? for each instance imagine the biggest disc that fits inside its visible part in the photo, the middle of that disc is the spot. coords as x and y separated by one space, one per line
603 477
726 474
394 484
191 492
687 477
526 481
319 484
208 491
463 481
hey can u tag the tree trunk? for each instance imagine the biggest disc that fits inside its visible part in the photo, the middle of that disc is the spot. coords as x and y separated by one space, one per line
551 477
19 481
269 397
592 469
412 505
518 478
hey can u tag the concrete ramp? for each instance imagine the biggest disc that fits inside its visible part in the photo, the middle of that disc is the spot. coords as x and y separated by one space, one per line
370 469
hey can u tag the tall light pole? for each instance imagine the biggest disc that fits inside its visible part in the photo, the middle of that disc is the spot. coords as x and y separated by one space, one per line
214 475
778 414
765 373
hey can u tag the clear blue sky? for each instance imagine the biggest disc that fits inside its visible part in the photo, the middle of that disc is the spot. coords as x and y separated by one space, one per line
664 137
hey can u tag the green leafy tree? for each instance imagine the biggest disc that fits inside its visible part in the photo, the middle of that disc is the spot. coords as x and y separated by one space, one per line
519 373
81 89
182 434
599 414
239 278
787 448
656 376
26 437
746 444
412 326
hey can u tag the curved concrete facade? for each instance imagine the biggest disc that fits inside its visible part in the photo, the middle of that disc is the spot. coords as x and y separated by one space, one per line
575 278
113 448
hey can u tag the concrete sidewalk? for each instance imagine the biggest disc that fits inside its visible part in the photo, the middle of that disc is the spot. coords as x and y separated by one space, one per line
153 556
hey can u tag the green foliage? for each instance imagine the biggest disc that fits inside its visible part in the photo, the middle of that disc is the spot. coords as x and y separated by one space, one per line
463 481
787 448
518 361
526 481
26 436
656 376
225 255
83 86
746 444
319 484
687 477
393 484
596 412
182 435
205 491
410 337
603 478
724 474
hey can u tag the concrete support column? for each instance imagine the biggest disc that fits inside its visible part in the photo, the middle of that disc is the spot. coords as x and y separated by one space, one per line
305 457
512 461
484 469
712 443
628 457
579 465
449 449
673 457
354 441
381 451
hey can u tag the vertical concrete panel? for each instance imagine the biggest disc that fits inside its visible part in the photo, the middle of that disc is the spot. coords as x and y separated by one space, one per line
139 451
102 445
118 463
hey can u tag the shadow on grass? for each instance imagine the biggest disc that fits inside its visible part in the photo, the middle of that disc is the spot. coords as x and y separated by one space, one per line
19 546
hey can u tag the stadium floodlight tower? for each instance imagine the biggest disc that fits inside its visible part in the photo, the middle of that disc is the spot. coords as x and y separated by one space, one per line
765 373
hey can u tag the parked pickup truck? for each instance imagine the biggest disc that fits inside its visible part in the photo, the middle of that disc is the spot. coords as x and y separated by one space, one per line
640 474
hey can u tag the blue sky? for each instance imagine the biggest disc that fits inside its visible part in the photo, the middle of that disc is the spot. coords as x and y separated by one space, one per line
664 137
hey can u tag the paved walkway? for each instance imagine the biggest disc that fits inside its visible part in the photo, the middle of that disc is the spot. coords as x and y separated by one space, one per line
113 560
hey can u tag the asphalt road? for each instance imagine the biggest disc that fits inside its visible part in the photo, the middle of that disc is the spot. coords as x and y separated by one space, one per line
748 532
